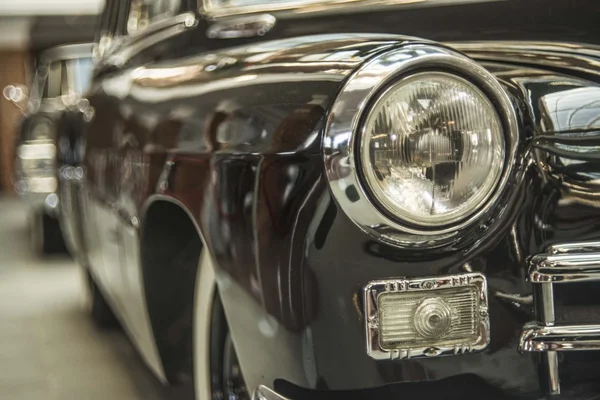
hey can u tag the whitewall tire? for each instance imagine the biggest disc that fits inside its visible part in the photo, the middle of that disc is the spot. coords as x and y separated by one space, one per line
203 302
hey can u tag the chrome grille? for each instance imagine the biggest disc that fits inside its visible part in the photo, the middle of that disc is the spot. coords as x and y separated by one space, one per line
561 264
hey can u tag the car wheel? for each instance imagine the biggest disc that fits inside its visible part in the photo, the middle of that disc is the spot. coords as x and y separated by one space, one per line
100 311
44 234
217 373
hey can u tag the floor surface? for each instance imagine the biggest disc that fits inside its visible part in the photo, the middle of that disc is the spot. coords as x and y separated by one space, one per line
49 347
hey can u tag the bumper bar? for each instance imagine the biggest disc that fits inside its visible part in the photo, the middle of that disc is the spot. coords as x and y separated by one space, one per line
565 268
538 337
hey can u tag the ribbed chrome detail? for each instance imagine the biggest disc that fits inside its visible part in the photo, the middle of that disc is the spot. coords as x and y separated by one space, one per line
460 309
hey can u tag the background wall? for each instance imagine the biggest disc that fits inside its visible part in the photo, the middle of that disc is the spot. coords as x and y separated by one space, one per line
13 69
14 61
50 7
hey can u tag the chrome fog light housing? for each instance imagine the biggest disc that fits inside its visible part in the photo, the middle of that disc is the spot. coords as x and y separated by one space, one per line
426 317
419 145
37 150
432 149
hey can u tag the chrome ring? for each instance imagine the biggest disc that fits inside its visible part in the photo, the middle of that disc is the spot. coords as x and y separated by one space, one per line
350 107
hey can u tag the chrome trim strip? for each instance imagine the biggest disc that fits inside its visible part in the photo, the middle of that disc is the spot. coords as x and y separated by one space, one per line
539 337
187 18
551 360
121 48
343 126
67 52
308 8
241 27
547 306
264 393
576 247
373 290
564 267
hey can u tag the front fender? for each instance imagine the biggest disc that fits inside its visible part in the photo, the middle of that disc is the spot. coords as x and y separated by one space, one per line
246 162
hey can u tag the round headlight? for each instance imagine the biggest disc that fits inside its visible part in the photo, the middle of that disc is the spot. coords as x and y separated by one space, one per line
432 149
42 129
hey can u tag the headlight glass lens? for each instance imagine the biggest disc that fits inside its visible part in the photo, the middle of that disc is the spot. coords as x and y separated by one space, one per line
432 149
42 129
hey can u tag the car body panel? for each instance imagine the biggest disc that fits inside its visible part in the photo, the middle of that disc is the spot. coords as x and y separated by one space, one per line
176 152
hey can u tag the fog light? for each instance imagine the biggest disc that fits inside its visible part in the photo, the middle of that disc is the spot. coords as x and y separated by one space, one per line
408 318
432 318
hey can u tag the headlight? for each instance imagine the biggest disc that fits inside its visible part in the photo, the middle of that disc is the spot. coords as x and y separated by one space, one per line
420 144
41 129
432 149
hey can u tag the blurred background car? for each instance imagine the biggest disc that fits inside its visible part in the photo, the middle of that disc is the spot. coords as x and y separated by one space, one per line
62 74
48 65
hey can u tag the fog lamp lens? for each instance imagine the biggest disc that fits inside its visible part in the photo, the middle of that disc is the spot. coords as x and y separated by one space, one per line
449 317
433 318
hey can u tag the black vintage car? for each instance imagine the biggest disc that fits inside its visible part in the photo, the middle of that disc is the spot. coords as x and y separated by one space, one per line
62 74
297 199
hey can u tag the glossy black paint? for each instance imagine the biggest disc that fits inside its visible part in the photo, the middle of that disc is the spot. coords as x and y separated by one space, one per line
546 20
233 135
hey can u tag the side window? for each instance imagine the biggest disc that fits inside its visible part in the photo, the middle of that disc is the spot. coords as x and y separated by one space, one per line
142 13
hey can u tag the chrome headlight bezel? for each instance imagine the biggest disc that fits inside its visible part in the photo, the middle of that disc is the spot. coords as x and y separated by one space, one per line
341 142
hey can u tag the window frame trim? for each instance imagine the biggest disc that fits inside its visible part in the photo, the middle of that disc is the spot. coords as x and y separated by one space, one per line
165 20
308 8
125 46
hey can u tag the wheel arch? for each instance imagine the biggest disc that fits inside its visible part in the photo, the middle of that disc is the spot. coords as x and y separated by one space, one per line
171 244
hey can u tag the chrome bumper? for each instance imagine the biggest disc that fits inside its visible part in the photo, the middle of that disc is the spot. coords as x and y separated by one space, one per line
264 393
544 338
562 264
